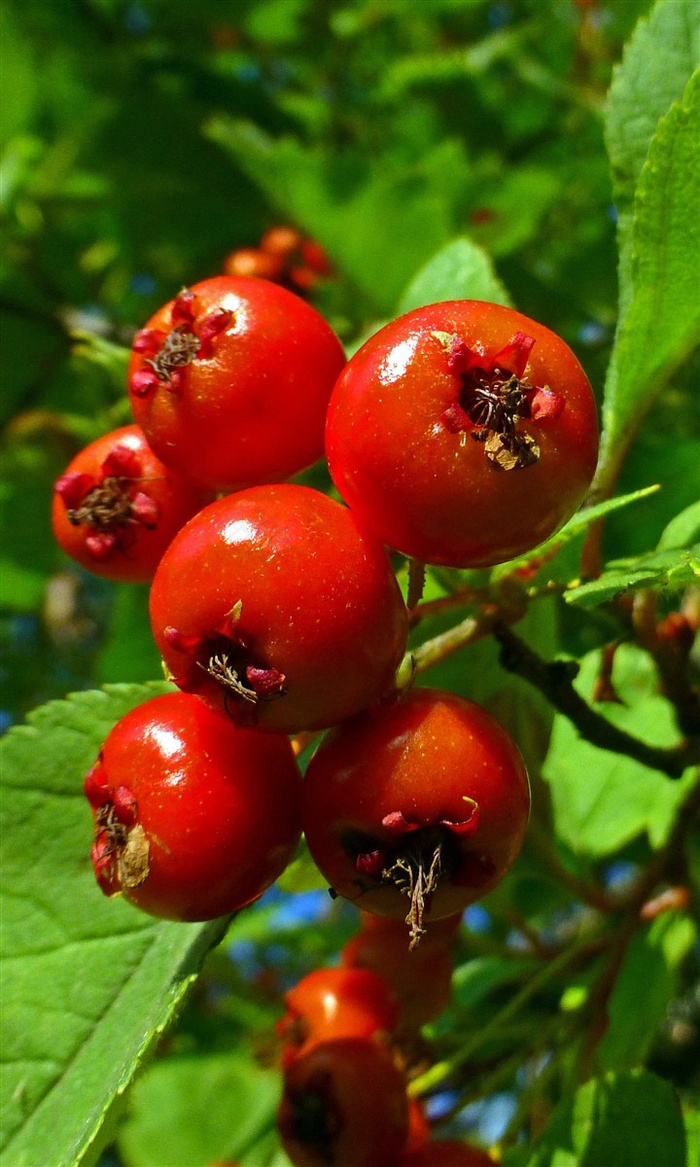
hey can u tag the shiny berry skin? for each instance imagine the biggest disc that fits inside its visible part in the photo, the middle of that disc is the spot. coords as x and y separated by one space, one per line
274 605
464 433
193 818
231 379
344 1104
116 507
335 1002
421 978
416 809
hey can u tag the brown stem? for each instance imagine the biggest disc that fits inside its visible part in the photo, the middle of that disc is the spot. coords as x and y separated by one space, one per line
554 679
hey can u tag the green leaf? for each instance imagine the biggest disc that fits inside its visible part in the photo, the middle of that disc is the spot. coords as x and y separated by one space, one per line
574 529
602 800
479 976
659 323
172 1119
447 65
88 984
657 62
460 271
18 96
111 359
683 530
644 986
692 1134
618 1120
672 570
302 874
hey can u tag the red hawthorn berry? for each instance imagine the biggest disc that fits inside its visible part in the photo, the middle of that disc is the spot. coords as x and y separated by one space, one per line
282 240
230 382
463 433
344 1104
416 809
316 257
335 1002
421 979
193 818
275 606
117 507
418 1127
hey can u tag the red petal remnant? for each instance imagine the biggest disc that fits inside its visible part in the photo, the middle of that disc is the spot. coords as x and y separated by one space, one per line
515 355
465 826
100 544
121 462
397 824
144 509
546 404
216 322
371 863
455 419
264 682
73 488
190 645
184 309
460 357
143 382
102 857
96 789
125 809
148 340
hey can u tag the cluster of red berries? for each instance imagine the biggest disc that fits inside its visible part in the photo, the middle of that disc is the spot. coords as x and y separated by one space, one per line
460 434
348 1036
463 434
285 256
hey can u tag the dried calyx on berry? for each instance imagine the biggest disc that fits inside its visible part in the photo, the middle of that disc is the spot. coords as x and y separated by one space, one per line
495 397
414 856
111 502
167 354
226 656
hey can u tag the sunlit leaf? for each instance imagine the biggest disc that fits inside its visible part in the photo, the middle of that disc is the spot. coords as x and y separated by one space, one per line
628 1118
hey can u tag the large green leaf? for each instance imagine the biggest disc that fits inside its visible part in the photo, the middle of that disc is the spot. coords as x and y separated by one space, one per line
172 1119
618 1120
602 800
657 62
659 323
88 984
654 158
